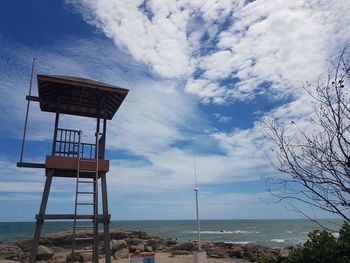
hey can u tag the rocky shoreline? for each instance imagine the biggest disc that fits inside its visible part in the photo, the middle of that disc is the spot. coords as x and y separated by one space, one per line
56 247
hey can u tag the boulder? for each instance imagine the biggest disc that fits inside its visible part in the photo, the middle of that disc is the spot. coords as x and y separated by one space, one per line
159 247
140 248
60 239
136 241
117 234
188 246
118 244
236 252
10 251
86 257
44 253
218 252
284 253
25 245
152 242
141 234
149 249
206 245
255 252
122 253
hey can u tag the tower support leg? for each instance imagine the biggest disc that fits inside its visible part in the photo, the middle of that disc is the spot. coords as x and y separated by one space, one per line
106 218
40 216
95 255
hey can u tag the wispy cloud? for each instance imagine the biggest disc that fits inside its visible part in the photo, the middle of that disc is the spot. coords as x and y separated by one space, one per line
261 46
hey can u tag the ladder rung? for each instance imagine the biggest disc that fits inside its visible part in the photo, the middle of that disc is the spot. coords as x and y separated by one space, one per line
84 227
86 182
85 193
85 203
83 251
87 171
83 238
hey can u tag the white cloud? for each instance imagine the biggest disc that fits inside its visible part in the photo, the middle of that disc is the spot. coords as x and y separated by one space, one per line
208 91
278 43
21 187
223 119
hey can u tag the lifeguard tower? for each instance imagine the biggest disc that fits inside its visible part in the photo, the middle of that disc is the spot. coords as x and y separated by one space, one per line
70 157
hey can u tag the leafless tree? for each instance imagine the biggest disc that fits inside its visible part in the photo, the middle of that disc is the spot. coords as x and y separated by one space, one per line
315 162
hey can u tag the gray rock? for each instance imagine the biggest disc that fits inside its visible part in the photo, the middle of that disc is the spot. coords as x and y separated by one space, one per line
217 252
140 247
44 253
159 247
136 241
117 234
122 253
86 257
284 253
236 252
184 246
149 249
10 251
118 244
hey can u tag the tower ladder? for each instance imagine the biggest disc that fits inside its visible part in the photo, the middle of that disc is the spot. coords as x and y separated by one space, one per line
76 249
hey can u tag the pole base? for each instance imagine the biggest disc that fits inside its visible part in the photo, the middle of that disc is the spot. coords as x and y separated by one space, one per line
199 257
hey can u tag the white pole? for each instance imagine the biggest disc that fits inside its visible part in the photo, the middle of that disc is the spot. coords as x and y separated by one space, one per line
196 189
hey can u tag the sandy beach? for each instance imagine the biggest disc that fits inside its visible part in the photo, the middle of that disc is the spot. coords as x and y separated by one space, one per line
167 258
161 258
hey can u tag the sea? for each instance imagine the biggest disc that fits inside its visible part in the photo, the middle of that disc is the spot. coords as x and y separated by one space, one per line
273 233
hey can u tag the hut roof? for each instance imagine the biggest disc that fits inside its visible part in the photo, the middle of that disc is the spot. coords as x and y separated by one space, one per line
79 96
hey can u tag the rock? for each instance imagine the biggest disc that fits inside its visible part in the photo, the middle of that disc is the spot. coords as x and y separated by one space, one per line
206 245
284 253
218 252
152 242
140 248
122 253
149 249
61 239
184 246
236 252
118 244
25 245
44 253
86 257
141 234
117 234
136 241
10 251
255 252
159 247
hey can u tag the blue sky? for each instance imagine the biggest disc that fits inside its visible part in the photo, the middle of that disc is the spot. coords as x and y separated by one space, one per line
199 72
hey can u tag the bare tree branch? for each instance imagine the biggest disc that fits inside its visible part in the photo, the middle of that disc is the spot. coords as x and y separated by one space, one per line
316 162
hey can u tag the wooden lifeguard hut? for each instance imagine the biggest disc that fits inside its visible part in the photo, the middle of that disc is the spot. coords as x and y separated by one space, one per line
71 157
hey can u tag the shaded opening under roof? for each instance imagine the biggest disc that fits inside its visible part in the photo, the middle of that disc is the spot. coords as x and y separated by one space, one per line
78 96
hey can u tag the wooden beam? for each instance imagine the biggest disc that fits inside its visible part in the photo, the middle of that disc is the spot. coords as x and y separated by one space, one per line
30 165
32 98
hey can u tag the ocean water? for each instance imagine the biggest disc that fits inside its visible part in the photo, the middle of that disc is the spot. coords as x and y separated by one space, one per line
273 233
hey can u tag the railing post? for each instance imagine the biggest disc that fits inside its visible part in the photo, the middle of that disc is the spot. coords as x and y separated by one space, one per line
55 134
